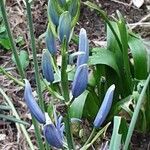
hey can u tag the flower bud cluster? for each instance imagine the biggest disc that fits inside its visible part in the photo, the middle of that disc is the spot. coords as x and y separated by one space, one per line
53 133
62 15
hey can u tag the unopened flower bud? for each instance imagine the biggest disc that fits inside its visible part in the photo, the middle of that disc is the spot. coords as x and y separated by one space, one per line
52 12
105 107
64 28
83 47
80 80
47 68
50 41
32 104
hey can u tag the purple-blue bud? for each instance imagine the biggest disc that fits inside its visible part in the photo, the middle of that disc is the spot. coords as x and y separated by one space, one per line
73 7
50 41
64 28
80 80
32 104
105 107
47 68
52 12
53 136
83 47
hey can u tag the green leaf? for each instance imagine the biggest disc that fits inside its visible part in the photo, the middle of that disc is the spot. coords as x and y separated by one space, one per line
124 41
112 43
5 107
104 57
4 40
24 59
115 142
121 55
123 129
5 43
20 41
76 109
91 106
13 119
136 113
139 54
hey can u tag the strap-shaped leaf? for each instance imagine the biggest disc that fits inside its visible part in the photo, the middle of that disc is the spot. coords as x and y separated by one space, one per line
104 57
13 119
115 142
139 54
76 109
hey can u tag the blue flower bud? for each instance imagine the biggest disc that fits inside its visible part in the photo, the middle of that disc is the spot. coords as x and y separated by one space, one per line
47 67
83 47
73 7
80 80
50 41
52 12
105 107
32 104
54 134
64 28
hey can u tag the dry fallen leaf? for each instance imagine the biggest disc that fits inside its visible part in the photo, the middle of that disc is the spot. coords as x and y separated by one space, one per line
2 137
138 3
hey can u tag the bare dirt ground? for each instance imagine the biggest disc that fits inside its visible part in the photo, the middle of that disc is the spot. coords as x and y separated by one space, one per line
10 138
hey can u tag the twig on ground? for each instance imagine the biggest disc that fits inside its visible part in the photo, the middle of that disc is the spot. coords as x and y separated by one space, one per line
141 21
144 24
125 4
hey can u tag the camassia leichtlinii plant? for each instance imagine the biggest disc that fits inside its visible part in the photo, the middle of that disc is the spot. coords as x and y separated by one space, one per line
58 133
85 88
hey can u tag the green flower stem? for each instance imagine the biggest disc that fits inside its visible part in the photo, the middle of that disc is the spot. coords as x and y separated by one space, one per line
64 75
36 68
68 131
11 77
24 131
135 114
37 75
12 43
65 93
38 134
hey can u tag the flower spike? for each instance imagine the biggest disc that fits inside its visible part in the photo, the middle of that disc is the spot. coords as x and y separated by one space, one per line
80 80
83 47
50 41
105 107
32 104
47 67
64 28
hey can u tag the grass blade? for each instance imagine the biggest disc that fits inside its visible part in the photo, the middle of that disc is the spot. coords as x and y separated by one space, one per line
17 116
12 43
13 119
